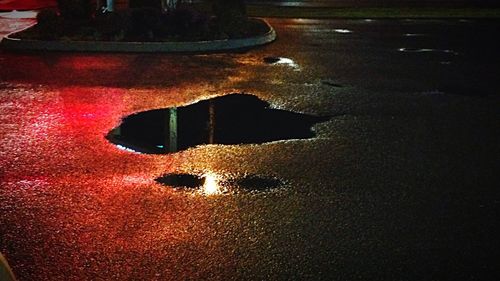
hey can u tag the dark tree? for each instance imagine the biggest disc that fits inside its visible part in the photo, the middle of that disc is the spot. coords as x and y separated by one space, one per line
75 9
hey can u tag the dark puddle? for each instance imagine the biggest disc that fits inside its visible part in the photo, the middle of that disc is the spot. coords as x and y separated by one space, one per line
282 61
258 183
247 183
181 180
231 119
332 84
271 60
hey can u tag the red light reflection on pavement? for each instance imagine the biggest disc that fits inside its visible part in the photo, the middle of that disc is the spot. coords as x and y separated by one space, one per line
74 207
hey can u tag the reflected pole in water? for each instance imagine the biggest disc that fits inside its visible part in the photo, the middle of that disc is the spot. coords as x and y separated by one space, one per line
211 122
173 129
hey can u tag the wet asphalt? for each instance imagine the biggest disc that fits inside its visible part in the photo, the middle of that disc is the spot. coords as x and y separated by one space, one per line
375 3
400 184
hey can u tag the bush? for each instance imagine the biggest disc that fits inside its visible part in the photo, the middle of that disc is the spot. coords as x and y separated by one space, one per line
186 22
144 4
143 24
48 24
230 16
110 26
75 10
228 10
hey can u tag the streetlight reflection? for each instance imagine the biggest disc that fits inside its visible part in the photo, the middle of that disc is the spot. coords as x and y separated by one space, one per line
211 185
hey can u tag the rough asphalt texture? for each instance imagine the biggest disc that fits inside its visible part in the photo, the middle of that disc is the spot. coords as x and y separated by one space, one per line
401 184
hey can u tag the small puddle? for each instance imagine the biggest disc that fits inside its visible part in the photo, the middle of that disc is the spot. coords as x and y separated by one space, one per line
282 61
414 35
341 30
414 50
181 180
331 84
211 184
231 119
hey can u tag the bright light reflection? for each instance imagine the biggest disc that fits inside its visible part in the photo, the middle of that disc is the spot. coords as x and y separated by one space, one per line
211 185
288 62
121 147
407 50
342 30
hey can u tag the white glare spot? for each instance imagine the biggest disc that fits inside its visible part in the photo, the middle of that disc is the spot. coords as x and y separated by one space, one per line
342 30
288 62
125 148
413 34
409 50
211 185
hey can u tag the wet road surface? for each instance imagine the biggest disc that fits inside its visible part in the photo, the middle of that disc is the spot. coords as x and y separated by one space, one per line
401 183
375 3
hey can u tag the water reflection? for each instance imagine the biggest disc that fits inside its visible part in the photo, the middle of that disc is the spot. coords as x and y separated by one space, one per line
282 61
214 184
211 185
231 119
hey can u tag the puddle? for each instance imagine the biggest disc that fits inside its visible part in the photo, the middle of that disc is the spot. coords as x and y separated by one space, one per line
231 119
211 184
414 34
282 61
272 60
255 183
181 180
411 50
340 30
332 84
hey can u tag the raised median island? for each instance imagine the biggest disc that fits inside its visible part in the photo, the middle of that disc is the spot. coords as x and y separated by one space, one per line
143 29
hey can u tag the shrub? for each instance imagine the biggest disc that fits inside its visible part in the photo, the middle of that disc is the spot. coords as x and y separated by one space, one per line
186 22
144 23
228 10
110 25
145 4
75 10
230 16
48 24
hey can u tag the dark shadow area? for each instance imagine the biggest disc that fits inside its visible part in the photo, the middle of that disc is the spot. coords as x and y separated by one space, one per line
231 119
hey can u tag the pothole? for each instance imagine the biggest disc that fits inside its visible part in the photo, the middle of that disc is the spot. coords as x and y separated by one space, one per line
231 119
211 184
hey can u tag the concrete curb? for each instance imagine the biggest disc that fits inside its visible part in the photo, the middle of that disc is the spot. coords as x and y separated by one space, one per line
12 43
